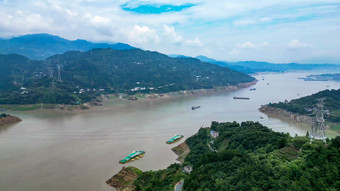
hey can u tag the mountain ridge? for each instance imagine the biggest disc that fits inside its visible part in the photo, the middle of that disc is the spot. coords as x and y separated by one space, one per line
85 75
42 45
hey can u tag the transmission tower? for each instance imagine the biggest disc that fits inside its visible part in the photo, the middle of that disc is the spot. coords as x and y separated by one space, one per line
59 75
49 69
318 124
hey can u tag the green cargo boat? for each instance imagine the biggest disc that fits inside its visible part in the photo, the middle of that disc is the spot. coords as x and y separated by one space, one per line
133 156
174 139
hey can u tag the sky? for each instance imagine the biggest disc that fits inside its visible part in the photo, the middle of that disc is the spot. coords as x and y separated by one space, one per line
280 31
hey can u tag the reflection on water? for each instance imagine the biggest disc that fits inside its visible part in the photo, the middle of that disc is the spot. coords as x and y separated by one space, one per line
54 150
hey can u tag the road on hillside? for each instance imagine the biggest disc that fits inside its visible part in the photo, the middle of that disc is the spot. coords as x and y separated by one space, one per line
179 185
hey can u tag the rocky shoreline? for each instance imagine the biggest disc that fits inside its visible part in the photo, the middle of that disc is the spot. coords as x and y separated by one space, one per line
182 150
9 119
123 180
284 114
198 92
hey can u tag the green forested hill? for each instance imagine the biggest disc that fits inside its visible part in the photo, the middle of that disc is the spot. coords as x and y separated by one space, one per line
305 105
249 156
99 71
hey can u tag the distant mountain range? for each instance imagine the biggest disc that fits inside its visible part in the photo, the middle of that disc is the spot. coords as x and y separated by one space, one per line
250 67
77 76
42 46
91 69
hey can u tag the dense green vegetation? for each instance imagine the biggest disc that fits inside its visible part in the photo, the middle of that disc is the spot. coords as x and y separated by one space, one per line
161 180
86 75
250 156
305 105
3 115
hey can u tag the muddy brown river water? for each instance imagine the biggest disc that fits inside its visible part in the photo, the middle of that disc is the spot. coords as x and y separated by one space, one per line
54 150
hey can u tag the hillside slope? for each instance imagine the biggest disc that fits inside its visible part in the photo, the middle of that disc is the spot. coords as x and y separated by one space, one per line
306 105
250 155
85 75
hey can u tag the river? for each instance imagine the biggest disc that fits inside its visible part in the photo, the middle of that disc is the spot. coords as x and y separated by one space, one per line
55 150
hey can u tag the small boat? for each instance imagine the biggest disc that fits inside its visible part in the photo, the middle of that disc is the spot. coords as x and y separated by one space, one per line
132 156
240 97
195 107
252 89
174 139
261 117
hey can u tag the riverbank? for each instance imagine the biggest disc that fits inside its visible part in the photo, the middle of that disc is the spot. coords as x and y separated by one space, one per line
182 150
9 119
332 129
123 181
196 92
284 114
99 100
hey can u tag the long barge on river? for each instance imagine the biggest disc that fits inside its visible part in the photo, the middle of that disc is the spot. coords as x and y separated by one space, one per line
132 156
174 139
195 107
241 97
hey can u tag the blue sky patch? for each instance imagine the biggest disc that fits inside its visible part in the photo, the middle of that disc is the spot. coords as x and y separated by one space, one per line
155 8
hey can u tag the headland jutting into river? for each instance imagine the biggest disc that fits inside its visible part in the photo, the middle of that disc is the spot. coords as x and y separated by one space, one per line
6 119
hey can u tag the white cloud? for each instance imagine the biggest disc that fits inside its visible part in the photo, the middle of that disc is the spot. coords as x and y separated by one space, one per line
97 21
248 46
194 42
142 34
296 44
214 25
174 37
24 22
246 22
172 34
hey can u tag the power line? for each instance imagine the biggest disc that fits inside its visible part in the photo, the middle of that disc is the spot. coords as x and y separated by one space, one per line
318 124
59 75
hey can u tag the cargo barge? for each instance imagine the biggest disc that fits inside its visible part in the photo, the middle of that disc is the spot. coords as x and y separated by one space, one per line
195 107
133 156
241 97
174 139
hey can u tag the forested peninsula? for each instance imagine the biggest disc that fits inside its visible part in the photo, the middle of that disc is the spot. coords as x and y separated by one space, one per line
304 109
248 155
